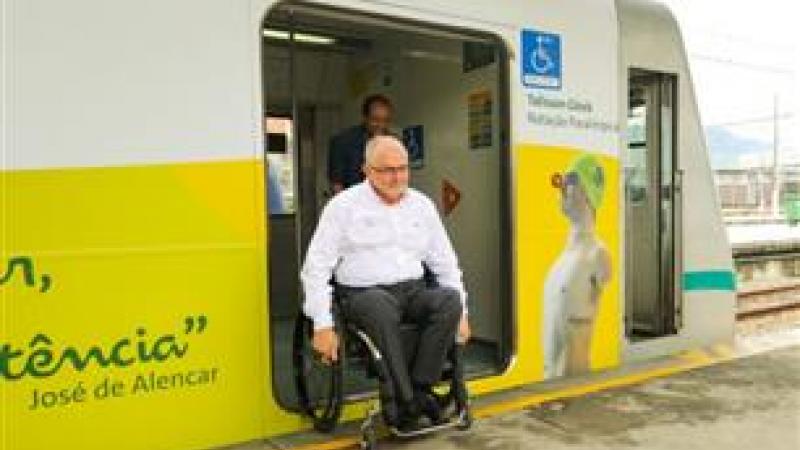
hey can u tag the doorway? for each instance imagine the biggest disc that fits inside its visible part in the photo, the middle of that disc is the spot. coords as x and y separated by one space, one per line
449 90
652 207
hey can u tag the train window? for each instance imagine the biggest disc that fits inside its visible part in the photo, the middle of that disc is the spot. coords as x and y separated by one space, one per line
449 90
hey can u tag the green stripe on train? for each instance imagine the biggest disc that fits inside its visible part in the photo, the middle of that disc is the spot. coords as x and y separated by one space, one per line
709 280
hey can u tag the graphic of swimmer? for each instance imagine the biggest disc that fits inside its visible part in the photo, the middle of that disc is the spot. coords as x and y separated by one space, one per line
575 281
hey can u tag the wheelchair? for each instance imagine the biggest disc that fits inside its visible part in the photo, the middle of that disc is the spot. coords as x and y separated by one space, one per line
320 387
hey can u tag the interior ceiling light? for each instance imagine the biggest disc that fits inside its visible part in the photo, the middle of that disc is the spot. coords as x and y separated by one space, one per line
433 56
299 37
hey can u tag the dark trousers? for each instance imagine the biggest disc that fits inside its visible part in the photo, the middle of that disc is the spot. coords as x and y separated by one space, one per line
380 310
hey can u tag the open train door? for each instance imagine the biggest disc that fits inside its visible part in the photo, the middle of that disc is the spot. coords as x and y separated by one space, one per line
449 90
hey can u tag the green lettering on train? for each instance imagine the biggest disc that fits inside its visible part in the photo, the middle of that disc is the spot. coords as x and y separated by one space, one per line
40 360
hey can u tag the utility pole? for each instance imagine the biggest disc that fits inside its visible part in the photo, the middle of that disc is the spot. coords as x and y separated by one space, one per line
776 175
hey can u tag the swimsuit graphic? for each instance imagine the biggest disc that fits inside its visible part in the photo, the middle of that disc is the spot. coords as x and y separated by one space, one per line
575 281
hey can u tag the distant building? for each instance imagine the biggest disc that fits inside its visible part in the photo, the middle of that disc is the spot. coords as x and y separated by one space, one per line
744 192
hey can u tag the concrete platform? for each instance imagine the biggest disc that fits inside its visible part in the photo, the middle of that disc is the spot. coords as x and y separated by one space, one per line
747 403
750 401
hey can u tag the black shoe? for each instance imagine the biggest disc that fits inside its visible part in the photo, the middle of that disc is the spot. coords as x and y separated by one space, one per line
408 417
428 405
409 424
391 413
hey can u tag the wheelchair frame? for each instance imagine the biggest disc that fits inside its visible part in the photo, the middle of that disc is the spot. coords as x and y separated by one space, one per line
326 417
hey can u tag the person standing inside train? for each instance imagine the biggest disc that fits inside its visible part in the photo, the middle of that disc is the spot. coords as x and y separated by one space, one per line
346 149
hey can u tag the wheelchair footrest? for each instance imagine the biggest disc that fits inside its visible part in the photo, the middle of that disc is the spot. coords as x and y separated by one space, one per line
462 420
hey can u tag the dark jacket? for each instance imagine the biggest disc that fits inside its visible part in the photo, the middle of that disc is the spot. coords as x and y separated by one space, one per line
346 156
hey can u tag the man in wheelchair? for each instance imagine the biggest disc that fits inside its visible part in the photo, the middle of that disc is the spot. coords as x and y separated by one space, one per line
376 239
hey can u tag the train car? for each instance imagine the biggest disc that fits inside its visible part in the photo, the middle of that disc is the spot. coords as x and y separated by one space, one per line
164 164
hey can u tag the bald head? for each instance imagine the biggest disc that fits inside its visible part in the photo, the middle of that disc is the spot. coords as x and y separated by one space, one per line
380 144
386 167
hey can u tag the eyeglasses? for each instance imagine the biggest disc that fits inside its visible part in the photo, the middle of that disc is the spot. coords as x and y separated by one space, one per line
390 169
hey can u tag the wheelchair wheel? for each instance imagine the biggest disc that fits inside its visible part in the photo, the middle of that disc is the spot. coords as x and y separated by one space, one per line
319 385
369 440
466 420
456 394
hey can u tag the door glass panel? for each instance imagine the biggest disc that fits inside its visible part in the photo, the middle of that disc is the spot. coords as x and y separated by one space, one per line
636 157
280 162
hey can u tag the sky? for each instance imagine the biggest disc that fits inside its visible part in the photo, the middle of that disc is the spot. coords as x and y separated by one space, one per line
744 55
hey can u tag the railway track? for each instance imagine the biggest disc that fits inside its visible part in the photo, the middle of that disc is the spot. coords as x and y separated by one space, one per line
768 301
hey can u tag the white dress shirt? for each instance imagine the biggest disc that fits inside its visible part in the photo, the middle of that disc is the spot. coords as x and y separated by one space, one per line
364 242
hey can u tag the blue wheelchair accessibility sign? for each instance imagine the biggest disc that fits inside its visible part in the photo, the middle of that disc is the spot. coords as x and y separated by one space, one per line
413 139
541 59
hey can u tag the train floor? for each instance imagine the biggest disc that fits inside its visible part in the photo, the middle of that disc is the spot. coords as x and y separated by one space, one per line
751 400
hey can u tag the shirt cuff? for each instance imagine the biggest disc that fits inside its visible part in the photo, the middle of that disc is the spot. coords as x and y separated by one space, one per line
325 321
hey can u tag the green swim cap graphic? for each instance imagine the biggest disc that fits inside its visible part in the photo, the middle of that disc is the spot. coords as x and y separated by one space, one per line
591 178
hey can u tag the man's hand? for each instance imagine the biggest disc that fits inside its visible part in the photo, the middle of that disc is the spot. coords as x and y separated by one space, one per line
326 343
464 331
